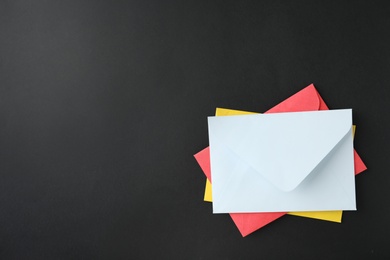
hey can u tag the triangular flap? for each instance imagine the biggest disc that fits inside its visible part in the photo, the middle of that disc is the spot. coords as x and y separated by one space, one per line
305 100
296 182
285 147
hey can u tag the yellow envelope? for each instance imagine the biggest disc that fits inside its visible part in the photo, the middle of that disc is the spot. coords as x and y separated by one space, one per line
208 192
334 216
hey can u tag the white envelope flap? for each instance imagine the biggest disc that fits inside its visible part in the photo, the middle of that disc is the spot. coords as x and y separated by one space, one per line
284 147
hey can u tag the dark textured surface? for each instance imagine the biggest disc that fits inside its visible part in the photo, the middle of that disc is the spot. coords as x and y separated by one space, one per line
103 104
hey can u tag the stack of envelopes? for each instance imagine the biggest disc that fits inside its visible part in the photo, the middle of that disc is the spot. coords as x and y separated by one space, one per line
297 158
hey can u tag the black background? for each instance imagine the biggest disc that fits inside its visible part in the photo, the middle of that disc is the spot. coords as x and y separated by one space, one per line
104 103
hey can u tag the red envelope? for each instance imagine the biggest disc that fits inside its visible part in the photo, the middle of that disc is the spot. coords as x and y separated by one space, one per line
308 99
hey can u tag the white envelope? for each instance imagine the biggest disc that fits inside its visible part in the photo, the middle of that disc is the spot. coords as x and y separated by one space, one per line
298 161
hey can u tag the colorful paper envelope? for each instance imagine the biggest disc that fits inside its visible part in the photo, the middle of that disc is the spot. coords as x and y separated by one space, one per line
295 161
334 216
307 99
